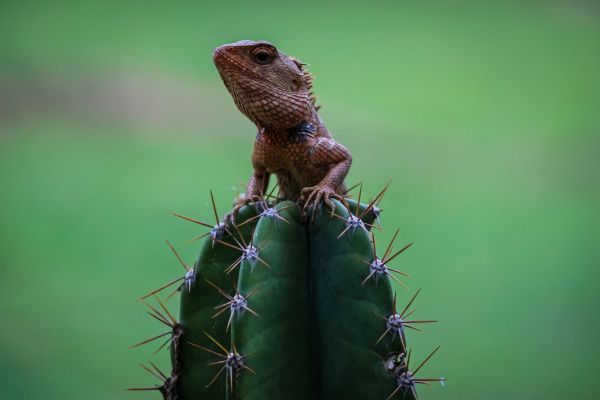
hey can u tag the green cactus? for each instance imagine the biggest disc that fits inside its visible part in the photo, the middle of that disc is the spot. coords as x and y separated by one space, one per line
312 316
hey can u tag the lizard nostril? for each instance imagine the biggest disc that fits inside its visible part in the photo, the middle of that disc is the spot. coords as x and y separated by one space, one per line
216 54
219 53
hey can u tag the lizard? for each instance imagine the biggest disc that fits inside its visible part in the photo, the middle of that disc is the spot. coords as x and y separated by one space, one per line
274 91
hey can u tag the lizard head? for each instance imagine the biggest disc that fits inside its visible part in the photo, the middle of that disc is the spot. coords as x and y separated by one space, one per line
272 89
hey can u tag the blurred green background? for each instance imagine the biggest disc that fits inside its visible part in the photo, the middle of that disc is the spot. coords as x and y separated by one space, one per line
485 115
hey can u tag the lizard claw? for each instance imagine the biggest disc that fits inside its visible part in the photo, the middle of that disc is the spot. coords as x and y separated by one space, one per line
313 196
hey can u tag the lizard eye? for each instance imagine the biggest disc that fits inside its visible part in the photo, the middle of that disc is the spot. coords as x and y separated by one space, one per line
262 56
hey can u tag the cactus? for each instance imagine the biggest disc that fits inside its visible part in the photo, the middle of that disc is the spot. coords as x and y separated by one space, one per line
283 305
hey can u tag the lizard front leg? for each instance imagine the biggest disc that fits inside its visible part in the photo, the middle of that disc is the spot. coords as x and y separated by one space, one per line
257 187
332 154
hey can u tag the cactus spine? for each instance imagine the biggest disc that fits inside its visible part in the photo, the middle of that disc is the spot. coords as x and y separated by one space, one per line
281 306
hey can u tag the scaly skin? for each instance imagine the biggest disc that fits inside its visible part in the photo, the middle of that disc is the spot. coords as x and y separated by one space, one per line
274 91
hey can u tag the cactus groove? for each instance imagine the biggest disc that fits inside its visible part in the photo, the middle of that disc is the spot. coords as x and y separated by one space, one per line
282 305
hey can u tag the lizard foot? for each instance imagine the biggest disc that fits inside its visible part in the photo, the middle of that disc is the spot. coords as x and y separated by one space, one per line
313 196
229 218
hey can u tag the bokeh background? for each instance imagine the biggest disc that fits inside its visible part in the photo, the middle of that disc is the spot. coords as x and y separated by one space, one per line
484 114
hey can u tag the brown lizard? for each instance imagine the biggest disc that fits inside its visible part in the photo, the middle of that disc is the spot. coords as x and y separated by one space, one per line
274 91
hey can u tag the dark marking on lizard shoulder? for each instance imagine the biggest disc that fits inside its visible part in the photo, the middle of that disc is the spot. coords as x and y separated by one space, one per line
301 131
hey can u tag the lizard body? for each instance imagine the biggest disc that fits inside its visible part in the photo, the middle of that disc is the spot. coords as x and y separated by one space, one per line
274 91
